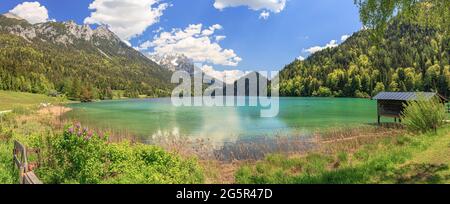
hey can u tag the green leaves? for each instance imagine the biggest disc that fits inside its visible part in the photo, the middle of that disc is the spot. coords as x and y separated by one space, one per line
376 14
82 156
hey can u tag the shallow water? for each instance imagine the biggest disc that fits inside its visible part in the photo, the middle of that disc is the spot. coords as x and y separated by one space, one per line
146 118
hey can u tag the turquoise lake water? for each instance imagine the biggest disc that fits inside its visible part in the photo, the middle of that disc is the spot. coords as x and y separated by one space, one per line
145 118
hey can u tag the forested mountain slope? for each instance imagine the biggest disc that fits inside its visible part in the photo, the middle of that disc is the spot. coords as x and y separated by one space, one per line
408 57
75 60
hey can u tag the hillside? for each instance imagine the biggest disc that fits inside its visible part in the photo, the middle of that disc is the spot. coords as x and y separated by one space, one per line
75 60
409 57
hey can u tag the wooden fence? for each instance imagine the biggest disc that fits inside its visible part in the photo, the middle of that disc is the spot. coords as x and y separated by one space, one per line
26 174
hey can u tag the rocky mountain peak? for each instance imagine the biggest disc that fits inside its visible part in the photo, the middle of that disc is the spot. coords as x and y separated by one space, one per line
174 62
66 33
104 32
79 31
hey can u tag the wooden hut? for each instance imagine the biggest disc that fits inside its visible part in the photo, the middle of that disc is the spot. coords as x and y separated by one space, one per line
391 104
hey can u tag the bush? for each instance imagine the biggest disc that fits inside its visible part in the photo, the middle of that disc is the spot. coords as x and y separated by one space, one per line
424 115
361 94
82 156
323 92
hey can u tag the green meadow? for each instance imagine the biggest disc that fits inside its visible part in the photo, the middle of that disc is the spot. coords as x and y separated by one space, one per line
10 100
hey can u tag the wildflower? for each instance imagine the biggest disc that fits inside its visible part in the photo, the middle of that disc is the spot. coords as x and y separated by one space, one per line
71 130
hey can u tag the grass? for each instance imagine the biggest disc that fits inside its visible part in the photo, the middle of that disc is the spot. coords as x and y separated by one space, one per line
11 100
7 173
69 158
21 104
118 162
438 154
404 158
369 155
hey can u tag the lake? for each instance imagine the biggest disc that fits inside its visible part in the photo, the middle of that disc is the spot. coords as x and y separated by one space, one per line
146 118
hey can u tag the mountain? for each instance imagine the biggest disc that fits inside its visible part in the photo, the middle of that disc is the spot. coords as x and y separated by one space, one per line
75 60
409 56
254 78
250 77
175 62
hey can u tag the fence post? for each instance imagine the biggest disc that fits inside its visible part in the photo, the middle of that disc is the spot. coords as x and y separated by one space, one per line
20 158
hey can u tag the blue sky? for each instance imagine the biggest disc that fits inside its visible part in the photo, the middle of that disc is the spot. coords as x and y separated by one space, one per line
253 43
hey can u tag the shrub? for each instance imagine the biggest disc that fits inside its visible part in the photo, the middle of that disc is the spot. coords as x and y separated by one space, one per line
78 156
82 156
424 115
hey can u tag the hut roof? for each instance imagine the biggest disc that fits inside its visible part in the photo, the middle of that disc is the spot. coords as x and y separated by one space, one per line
407 96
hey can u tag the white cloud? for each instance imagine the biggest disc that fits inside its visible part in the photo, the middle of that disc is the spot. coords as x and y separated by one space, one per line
33 12
227 76
220 38
126 18
211 30
264 15
275 6
315 49
301 58
344 38
195 43
145 45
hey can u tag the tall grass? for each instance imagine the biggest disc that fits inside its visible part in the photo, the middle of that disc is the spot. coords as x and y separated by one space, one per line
424 115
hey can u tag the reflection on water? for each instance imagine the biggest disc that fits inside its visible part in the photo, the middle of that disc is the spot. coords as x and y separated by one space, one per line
149 118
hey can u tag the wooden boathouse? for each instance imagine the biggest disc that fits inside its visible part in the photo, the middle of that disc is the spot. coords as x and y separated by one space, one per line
391 104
